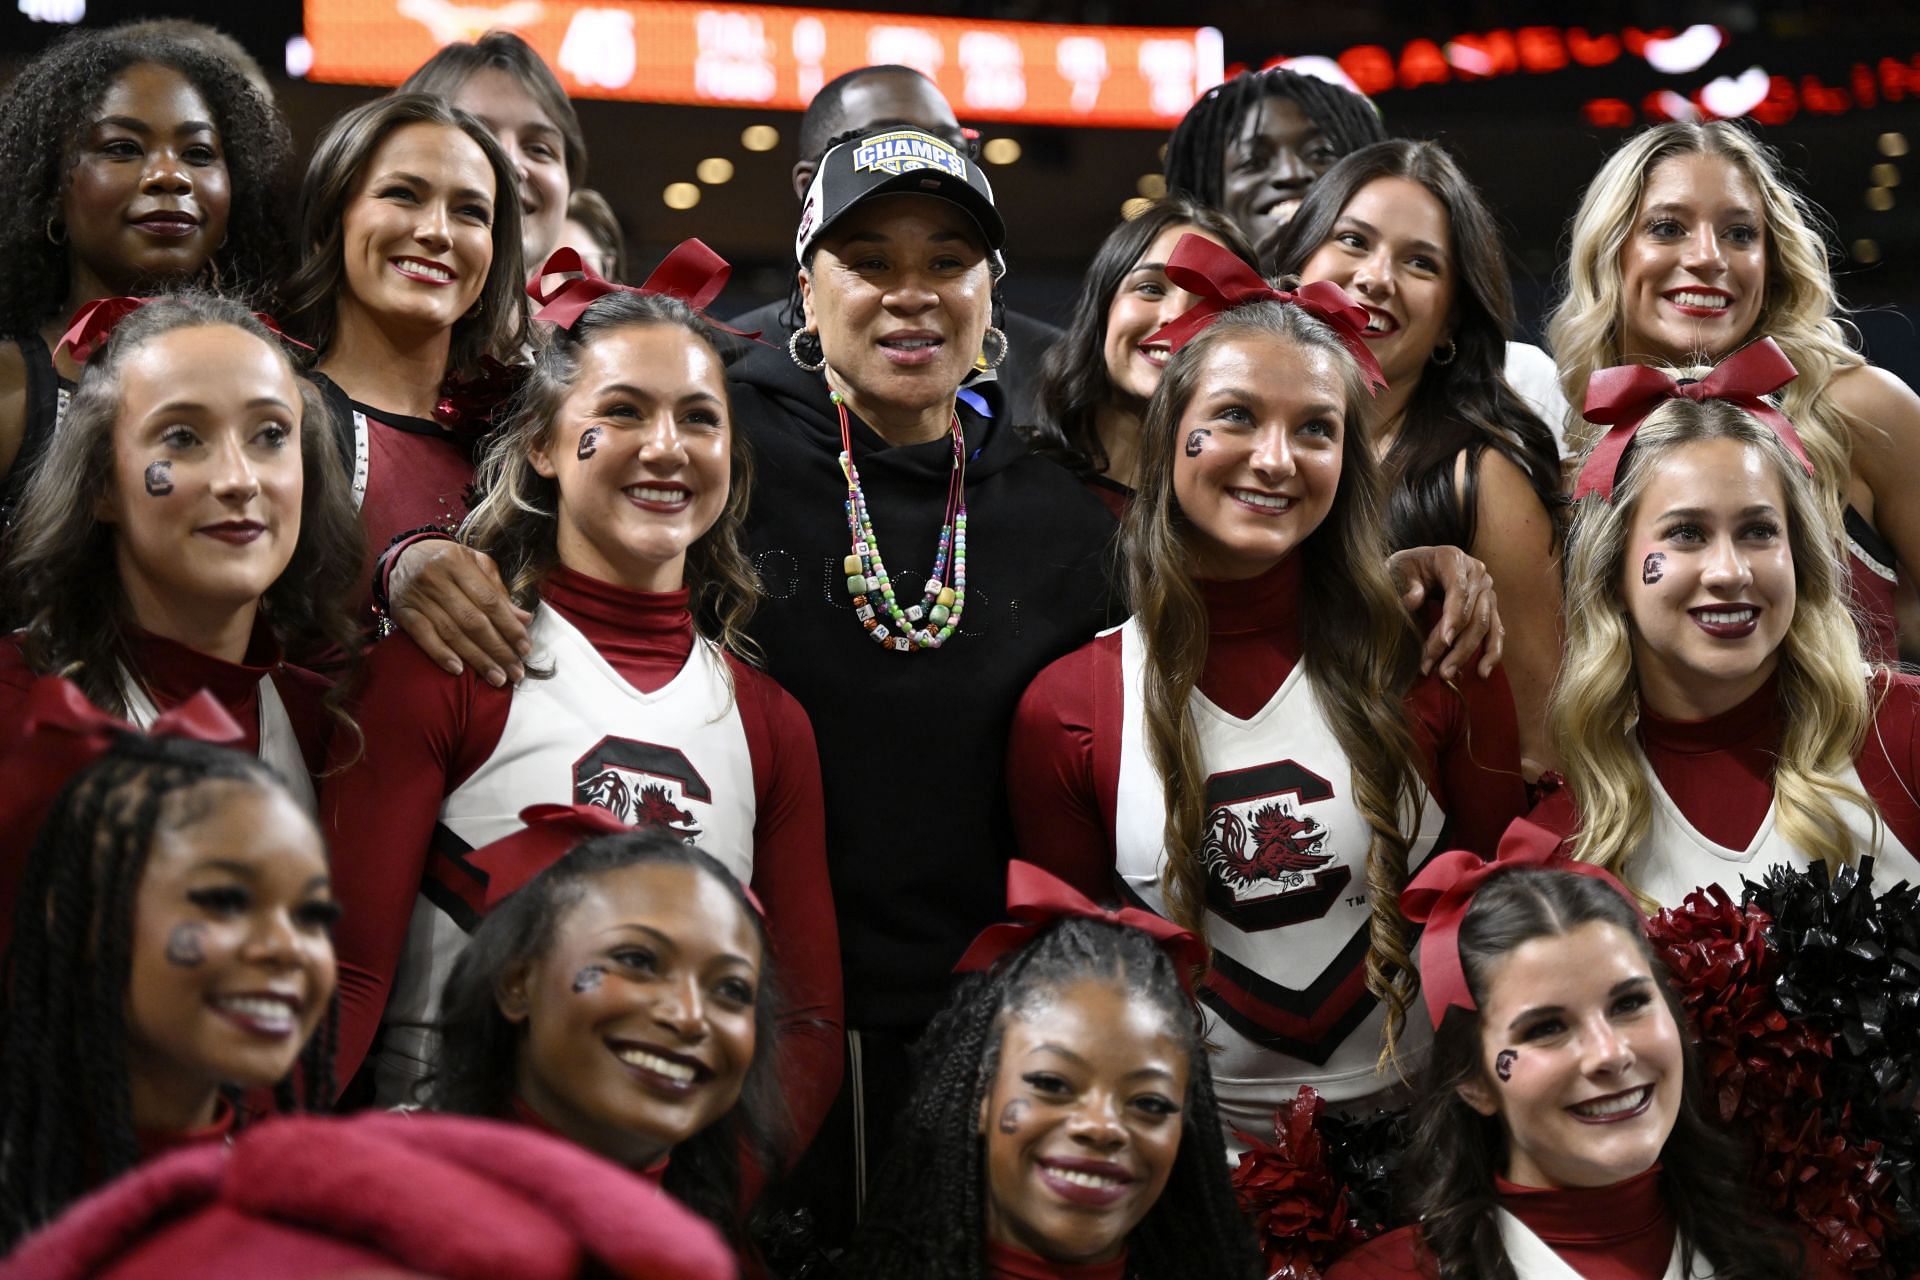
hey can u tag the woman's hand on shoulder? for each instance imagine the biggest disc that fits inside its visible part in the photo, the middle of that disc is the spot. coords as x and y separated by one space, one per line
451 601
1470 613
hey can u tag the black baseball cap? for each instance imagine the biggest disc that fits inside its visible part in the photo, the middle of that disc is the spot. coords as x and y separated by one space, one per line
898 161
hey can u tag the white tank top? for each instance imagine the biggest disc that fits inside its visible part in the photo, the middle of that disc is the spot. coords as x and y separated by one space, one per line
675 758
1675 859
1286 849
279 747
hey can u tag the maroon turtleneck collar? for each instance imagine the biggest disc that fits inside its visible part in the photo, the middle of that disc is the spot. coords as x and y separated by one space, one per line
1267 603
1004 1262
1624 1228
526 1116
158 1142
1753 722
171 672
646 635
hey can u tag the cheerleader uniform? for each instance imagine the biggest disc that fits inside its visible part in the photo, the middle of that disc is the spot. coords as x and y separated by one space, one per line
639 716
280 708
1287 911
1714 819
47 394
1622 1232
1873 572
407 472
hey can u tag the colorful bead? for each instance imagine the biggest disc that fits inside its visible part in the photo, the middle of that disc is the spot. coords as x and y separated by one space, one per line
856 584
945 598
852 565
938 614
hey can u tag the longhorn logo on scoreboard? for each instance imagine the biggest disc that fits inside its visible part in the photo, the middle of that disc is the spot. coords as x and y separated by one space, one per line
1267 857
642 784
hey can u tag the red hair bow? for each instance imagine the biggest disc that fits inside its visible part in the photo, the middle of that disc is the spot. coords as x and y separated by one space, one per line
551 832
1624 396
94 323
692 273
1036 898
62 733
1445 887
1222 282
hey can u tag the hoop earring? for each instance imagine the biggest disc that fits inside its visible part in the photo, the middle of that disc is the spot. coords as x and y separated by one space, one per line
60 241
803 348
994 347
1452 351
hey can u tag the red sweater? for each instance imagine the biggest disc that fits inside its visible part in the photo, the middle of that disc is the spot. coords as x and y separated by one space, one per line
1719 771
427 732
170 673
1062 778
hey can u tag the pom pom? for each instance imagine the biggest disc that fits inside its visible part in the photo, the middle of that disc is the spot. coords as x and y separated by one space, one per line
1321 1186
1796 998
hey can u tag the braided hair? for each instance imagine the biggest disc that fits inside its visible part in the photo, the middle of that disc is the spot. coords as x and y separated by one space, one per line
927 1216
41 118
1196 153
475 1064
66 1099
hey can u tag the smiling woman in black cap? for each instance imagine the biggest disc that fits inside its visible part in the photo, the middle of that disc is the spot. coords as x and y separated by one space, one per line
918 565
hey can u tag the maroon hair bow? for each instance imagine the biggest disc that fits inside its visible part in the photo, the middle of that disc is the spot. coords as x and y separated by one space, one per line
1444 889
1222 282
1624 396
62 733
692 273
1036 898
551 832
95 322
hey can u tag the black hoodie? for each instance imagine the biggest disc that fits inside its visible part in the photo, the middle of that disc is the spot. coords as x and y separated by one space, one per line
912 745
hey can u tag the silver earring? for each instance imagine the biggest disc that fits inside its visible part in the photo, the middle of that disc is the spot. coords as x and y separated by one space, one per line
994 347
1452 351
61 240
803 348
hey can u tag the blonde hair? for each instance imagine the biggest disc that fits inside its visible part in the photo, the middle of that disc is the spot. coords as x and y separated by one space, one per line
1824 704
516 522
1584 332
1359 646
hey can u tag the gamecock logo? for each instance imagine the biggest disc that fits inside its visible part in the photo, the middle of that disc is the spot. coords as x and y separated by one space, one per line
640 783
1267 859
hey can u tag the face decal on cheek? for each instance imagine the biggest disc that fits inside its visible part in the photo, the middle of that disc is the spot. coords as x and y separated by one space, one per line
159 479
1013 1115
1196 441
1503 1064
589 979
589 443
1653 568
187 945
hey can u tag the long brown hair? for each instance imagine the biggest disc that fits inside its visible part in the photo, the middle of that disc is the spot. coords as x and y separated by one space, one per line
516 521
61 570
1359 645
496 324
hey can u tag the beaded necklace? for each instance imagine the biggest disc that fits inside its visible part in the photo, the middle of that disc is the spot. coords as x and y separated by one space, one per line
942 600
